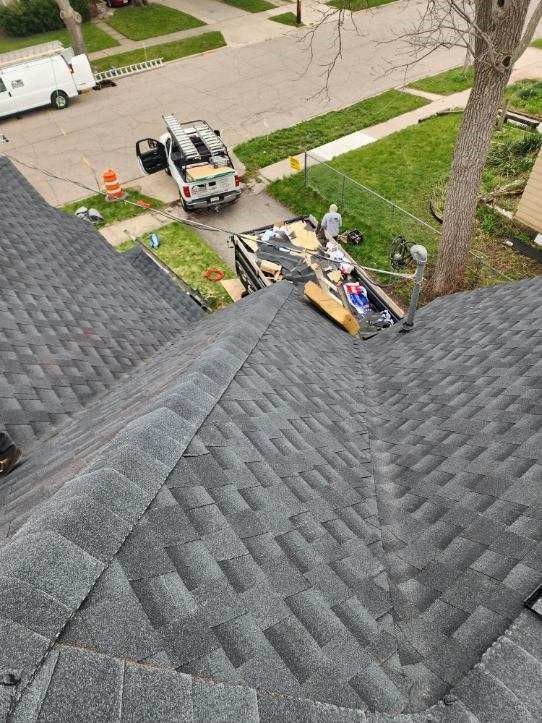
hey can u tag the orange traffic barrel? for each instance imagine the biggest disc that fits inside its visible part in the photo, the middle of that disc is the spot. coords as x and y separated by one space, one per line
113 189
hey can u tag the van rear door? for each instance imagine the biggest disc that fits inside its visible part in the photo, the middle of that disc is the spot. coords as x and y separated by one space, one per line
82 73
7 105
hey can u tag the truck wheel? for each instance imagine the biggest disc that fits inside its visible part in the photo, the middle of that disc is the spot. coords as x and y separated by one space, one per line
59 100
184 205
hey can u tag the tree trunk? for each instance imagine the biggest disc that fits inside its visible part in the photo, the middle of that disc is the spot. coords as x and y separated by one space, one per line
470 155
503 27
72 21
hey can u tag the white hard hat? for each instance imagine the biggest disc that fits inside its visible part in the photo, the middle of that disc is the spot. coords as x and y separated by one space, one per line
333 208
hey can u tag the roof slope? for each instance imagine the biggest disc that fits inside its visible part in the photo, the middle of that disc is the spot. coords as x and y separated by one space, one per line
73 315
321 520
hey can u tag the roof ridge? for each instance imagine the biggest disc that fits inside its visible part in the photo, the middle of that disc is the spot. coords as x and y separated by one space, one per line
59 554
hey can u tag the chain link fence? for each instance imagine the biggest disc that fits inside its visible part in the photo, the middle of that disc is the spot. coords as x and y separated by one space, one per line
381 220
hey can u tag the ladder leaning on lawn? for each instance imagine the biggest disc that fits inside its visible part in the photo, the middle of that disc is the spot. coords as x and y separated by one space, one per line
129 69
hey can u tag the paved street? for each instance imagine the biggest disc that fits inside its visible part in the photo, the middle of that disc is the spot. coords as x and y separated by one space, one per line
245 91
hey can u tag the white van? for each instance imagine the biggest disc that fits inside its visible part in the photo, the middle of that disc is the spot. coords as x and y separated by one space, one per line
40 75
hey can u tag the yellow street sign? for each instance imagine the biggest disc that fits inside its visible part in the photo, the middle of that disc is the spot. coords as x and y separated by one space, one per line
295 163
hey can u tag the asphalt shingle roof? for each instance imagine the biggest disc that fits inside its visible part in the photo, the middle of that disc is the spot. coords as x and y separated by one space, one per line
73 314
270 520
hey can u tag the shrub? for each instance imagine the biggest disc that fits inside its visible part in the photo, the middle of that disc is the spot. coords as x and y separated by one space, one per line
26 17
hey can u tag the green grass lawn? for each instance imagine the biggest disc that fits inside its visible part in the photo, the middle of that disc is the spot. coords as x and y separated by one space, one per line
167 51
149 21
185 252
525 96
446 83
286 19
406 168
355 5
116 211
95 39
537 43
251 6
264 150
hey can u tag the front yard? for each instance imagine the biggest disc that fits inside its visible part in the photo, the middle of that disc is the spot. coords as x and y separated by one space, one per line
95 39
149 21
183 250
407 168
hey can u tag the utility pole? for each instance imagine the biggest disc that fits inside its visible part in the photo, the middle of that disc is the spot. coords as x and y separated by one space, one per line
298 12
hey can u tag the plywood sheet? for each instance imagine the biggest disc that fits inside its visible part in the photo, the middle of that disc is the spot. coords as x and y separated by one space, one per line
196 173
234 287
305 238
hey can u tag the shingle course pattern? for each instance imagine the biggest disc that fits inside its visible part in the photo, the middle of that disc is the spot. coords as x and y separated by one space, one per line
74 315
324 531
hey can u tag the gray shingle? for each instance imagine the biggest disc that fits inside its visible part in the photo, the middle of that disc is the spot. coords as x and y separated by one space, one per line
278 550
153 694
225 703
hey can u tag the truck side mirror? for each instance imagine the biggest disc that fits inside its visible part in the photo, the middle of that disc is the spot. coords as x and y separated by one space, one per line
217 133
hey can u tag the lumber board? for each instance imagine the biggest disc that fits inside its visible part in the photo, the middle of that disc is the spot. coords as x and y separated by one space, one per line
331 307
234 287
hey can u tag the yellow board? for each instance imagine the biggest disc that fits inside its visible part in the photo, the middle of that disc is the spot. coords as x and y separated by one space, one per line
295 163
234 287
330 306
304 237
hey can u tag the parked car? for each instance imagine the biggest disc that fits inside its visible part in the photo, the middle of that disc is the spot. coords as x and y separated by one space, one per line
46 74
198 161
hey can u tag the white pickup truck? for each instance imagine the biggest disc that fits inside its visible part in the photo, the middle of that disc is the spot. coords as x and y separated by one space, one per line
198 161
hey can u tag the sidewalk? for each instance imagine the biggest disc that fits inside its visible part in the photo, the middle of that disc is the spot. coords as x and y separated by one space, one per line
528 66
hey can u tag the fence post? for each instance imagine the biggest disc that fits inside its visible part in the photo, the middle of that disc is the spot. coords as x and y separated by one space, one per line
342 191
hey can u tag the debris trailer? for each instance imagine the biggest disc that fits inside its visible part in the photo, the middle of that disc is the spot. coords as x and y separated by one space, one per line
338 286
197 159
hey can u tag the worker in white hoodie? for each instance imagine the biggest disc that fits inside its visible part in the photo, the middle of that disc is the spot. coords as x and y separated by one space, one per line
331 222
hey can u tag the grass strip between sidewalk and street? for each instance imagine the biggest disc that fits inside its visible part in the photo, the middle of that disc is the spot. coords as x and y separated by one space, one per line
286 19
251 6
355 5
265 150
150 21
167 51
447 82
116 210
95 39
186 253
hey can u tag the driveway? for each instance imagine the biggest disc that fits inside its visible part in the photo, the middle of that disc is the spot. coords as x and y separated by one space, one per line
244 91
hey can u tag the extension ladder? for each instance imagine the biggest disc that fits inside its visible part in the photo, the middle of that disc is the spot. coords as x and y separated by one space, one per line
129 69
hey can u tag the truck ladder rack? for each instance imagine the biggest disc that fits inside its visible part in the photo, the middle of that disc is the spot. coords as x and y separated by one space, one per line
213 142
181 137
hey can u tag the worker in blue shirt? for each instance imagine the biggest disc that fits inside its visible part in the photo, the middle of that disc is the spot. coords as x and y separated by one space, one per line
331 222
